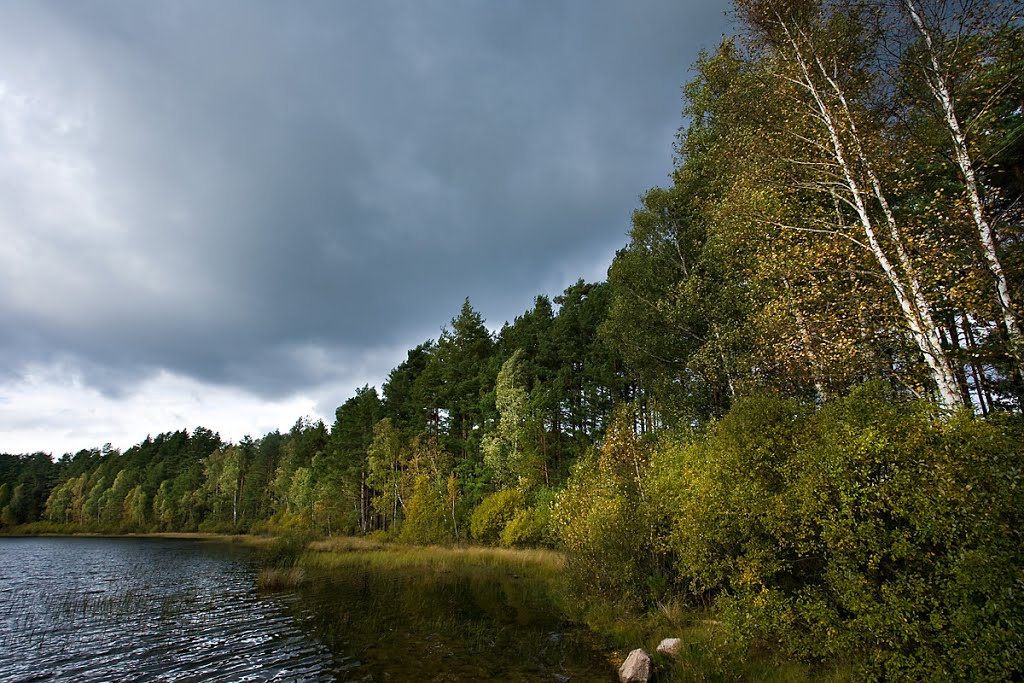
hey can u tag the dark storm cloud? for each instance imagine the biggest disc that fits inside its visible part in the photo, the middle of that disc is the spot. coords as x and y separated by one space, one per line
257 193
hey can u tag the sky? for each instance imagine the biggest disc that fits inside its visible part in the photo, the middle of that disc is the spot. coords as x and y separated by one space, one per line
233 214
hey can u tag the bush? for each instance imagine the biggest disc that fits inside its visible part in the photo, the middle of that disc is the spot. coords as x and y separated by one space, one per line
490 518
921 522
727 493
869 531
608 521
525 529
426 517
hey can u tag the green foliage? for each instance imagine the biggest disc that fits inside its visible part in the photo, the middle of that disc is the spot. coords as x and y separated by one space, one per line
385 462
215 526
43 528
527 528
669 304
868 531
465 363
728 496
865 530
136 509
427 520
222 472
342 476
606 519
503 449
494 513
25 484
922 520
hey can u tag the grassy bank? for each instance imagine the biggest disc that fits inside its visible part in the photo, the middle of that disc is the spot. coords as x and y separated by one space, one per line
708 653
358 552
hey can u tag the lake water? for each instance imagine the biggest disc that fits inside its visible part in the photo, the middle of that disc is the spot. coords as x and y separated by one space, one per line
93 609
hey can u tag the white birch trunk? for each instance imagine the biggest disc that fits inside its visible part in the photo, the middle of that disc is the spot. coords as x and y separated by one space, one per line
915 309
986 235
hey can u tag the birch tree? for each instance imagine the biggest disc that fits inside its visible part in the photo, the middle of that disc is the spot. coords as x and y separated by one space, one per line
813 50
504 447
942 29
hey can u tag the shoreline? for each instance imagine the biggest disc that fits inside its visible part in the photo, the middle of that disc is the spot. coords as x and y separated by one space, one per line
617 628
245 539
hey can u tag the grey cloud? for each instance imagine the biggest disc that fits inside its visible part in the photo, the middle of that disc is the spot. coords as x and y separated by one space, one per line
314 180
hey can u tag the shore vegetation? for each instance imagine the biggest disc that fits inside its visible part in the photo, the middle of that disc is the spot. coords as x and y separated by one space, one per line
788 424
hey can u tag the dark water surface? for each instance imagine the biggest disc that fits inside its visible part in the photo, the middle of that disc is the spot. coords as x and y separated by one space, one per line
94 609
458 625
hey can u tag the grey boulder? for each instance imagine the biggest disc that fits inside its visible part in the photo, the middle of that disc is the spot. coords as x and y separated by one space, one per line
636 668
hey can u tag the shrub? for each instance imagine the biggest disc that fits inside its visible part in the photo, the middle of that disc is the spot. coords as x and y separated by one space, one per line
727 492
608 521
870 531
426 517
920 520
525 529
495 511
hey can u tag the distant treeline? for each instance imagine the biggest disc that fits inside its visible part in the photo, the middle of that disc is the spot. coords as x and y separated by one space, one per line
796 400
484 412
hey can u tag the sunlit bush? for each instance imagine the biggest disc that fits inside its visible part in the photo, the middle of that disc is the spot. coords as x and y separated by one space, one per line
427 520
727 492
608 522
494 513
871 531
525 529
920 523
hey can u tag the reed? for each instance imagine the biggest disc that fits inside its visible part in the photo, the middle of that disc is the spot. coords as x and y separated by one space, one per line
361 553
278 578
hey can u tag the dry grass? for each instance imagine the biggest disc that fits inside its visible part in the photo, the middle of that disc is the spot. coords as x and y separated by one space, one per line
275 578
362 553
342 544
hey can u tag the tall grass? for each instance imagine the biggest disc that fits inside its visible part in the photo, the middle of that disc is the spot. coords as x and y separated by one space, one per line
366 554
280 578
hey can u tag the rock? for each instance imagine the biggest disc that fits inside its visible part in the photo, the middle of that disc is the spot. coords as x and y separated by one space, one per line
671 647
636 668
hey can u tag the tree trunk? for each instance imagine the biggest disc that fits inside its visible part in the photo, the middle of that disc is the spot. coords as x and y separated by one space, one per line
906 287
986 235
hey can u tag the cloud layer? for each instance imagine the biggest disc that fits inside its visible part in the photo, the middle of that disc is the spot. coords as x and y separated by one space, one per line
276 200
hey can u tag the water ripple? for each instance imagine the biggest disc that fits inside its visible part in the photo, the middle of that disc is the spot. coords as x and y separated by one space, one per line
134 610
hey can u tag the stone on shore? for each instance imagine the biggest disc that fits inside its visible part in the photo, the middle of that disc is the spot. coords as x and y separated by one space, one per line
636 668
671 647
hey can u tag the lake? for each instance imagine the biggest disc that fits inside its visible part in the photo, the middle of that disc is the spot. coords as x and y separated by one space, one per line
98 609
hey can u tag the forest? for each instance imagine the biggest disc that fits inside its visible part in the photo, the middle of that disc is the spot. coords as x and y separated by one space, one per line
796 401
